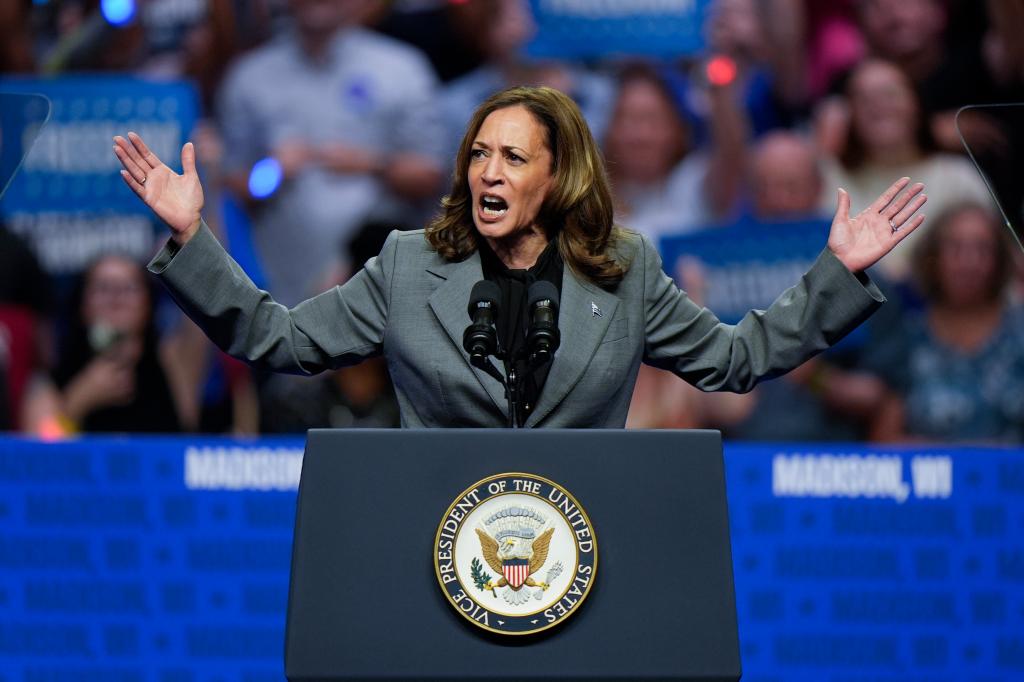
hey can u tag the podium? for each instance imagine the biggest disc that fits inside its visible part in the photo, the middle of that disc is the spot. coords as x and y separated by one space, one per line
365 601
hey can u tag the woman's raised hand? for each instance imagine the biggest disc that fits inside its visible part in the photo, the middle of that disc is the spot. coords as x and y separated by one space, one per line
175 199
860 242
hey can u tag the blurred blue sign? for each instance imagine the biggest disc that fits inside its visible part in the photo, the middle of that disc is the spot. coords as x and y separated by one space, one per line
68 200
599 28
746 266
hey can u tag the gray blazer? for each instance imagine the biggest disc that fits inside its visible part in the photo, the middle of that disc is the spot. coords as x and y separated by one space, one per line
410 304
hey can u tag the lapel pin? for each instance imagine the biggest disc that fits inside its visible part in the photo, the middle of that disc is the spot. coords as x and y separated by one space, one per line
594 309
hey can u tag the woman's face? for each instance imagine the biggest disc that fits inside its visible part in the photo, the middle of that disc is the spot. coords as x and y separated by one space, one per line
116 296
509 173
883 106
967 259
645 137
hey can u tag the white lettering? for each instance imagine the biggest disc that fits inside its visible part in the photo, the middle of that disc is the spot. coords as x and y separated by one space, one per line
932 476
839 476
238 468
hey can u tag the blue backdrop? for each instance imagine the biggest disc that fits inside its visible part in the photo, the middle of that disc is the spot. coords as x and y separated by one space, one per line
167 560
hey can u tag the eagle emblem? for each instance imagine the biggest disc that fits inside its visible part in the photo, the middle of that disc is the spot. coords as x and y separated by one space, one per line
515 554
515 543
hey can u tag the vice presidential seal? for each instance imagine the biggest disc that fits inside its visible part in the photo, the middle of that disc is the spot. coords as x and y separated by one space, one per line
515 554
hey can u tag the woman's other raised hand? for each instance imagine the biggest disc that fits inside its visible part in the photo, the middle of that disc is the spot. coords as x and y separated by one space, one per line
175 199
861 241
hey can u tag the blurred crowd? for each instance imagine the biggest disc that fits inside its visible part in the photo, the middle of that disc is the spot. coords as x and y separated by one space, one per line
358 106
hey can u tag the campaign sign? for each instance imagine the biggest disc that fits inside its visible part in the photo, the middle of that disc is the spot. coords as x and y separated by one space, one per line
68 199
598 28
744 266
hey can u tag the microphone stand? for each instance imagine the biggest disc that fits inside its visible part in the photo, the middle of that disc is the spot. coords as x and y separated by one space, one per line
511 385
480 341
512 392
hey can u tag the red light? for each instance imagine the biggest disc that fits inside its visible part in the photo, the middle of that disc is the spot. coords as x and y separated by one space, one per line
721 71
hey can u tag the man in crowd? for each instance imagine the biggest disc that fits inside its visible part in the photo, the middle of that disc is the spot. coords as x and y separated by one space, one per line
348 117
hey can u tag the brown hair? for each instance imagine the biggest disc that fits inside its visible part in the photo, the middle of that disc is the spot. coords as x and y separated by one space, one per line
926 256
578 209
644 73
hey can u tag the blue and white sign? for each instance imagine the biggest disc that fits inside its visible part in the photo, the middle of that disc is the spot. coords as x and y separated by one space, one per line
599 28
68 199
746 266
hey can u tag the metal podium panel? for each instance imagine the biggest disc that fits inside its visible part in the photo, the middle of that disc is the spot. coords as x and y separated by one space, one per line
365 602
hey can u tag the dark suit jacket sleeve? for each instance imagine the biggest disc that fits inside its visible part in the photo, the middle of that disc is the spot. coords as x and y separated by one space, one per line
827 303
339 327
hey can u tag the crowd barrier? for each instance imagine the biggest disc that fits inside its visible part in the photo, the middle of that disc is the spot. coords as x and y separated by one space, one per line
166 560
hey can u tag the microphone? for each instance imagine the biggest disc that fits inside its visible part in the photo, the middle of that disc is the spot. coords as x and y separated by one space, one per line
481 339
543 337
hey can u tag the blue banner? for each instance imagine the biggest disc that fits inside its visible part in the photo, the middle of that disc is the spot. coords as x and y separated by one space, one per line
598 28
166 560
878 564
747 265
68 199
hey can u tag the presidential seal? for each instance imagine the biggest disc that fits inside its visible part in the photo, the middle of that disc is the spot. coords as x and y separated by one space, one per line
515 554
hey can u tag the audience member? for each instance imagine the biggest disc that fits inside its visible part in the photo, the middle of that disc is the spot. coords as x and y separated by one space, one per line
350 118
961 377
113 374
661 183
785 178
886 137
763 40
912 34
498 30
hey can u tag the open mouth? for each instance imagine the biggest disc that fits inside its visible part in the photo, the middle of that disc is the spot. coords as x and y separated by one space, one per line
493 207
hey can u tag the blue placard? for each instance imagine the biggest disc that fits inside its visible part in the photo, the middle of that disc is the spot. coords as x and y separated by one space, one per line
599 28
166 560
747 265
68 199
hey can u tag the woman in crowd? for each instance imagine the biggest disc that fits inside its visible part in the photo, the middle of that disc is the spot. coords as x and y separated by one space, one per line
662 185
530 201
113 374
887 136
962 373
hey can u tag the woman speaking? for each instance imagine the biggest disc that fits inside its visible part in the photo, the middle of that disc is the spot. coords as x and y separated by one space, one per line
530 202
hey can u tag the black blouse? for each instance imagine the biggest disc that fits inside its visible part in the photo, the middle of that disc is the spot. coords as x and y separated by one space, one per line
514 319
